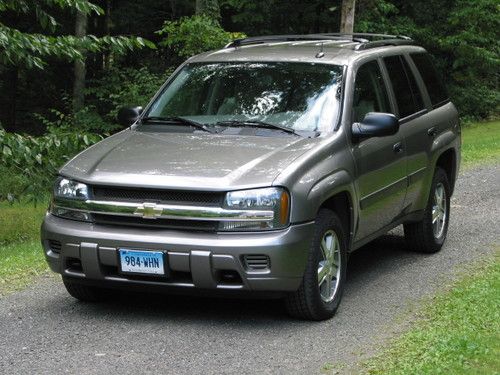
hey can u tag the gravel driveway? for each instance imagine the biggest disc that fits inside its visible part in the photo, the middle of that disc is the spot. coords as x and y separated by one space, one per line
44 331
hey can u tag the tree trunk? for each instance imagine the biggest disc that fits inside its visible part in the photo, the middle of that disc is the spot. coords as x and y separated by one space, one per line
347 16
107 31
79 67
173 9
208 7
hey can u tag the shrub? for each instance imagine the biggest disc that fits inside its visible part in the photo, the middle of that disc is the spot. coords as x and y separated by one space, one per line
33 162
193 35
121 87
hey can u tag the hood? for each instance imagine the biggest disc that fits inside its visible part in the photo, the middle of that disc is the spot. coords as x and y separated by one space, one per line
192 161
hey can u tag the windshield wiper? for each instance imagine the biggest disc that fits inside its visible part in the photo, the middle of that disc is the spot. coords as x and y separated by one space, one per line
257 124
177 120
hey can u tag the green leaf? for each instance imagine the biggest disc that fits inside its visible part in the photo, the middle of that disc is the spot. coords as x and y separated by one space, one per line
7 151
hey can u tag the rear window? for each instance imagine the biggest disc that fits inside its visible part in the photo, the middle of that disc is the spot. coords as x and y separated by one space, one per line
408 96
435 87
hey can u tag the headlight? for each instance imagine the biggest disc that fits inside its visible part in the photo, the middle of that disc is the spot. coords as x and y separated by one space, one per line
272 199
69 189
65 189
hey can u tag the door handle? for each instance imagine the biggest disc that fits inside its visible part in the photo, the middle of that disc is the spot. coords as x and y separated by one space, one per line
432 131
398 147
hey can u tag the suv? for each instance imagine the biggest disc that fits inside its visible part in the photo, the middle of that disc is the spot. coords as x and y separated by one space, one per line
258 168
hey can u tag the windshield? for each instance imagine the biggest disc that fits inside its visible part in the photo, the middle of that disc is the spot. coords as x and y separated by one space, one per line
299 96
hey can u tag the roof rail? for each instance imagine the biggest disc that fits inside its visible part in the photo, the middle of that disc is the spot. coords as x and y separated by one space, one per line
370 36
290 38
365 40
384 42
368 40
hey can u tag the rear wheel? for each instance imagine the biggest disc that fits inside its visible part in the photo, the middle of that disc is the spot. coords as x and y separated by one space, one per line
84 293
319 295
429 234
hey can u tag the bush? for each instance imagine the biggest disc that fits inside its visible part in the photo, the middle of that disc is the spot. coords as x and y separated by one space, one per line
31 163
121 87
193 35
87 120
463 36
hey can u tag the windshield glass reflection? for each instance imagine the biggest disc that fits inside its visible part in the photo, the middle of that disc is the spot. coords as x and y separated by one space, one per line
300 96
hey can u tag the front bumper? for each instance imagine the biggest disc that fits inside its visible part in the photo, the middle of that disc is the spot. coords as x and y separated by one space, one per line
89 253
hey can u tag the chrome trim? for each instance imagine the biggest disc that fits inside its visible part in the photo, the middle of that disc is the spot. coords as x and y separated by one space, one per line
163 211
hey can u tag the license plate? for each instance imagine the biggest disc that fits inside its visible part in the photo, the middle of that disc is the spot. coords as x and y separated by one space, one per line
143 262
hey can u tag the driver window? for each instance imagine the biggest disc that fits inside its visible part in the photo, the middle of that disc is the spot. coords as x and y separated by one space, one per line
370 94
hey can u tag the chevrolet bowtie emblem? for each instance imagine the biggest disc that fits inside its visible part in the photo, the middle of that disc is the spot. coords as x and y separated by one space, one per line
149 211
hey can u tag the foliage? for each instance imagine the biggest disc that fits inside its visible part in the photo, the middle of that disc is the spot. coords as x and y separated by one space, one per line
473 46
32 162
193 35
462 35
457 334
86 120
12 183
257 17
106 95
38 159
209 8
121 87
33 49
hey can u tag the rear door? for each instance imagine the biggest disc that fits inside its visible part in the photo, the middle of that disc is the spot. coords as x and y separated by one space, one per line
380 161
420 134
412 111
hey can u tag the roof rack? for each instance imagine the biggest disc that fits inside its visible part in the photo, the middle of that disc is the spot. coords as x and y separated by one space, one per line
365 40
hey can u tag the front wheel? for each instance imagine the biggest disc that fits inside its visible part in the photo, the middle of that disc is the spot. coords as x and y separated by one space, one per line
429 234
319 295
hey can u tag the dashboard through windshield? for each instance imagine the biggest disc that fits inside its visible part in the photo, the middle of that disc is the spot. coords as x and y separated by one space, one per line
299 96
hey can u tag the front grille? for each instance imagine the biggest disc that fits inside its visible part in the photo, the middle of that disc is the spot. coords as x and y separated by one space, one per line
180 197
55 246
191 225
256 262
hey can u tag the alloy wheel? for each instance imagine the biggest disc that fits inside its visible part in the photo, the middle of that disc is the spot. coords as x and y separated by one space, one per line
439 211
329 266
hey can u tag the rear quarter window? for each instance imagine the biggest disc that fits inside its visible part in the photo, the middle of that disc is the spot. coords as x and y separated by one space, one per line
432 80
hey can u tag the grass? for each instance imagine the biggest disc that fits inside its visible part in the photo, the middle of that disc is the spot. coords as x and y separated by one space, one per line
480 143
21 256
458 332
20 222
20 263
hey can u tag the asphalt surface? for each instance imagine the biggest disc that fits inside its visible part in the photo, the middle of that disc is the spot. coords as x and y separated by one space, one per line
44 331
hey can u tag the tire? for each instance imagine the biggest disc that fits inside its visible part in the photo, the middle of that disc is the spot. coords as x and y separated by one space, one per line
84 293
424 236
310 301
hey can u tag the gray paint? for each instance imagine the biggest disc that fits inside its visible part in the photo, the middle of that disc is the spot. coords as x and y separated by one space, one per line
386 189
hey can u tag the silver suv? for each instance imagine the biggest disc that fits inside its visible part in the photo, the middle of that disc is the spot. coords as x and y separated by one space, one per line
258 168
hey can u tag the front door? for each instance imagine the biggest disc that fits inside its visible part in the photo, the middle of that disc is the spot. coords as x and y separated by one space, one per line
380 161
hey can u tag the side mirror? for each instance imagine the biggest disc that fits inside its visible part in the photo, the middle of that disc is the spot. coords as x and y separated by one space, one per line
128 115
376 124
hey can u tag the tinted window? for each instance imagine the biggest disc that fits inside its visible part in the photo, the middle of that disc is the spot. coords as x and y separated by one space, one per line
301 96
436 89
405 87
370 94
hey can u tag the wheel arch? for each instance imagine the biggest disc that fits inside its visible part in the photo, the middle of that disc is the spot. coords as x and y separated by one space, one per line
447 160
342 204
